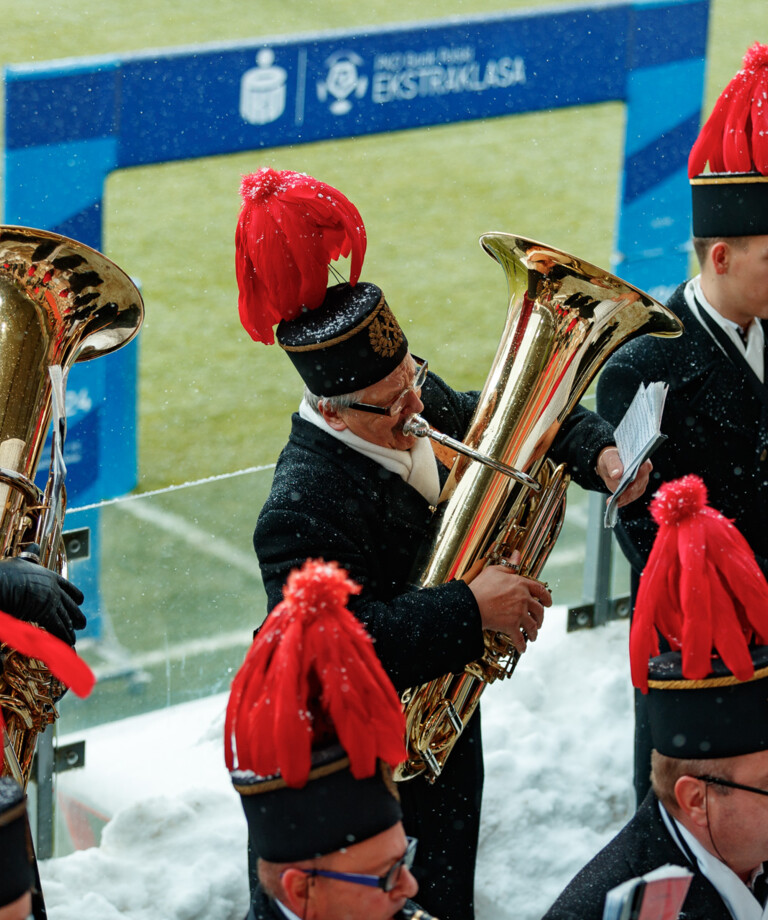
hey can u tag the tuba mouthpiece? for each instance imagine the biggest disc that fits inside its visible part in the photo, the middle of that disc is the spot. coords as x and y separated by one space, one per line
416 426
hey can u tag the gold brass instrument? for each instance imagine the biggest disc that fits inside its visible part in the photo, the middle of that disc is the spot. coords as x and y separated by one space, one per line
565 318
61 302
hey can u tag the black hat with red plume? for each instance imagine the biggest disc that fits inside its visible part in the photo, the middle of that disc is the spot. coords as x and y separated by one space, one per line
732 200
704 592
291 227
314 725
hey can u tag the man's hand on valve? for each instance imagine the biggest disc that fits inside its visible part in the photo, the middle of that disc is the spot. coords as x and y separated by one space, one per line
511 603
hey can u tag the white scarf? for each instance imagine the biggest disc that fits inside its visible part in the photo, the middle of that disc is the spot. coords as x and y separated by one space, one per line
417 466
739 900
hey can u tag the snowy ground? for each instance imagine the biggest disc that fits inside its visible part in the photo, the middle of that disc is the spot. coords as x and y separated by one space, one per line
558 743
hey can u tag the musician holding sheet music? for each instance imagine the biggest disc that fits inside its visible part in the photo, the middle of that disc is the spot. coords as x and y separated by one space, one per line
716 409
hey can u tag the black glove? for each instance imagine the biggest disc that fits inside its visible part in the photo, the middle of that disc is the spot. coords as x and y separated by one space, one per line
32 593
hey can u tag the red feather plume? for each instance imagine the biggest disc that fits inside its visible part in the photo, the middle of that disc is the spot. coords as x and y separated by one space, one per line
701 588
734 138
310 676
61 660
291 227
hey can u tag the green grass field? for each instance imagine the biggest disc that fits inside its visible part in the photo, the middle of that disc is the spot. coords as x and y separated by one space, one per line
211 401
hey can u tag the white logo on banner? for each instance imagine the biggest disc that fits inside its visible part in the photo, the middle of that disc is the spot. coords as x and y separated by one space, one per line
262 90
342 81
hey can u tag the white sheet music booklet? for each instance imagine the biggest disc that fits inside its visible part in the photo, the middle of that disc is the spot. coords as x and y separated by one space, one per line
637 436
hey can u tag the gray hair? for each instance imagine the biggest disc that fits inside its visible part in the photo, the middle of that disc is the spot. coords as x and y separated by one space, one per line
334 403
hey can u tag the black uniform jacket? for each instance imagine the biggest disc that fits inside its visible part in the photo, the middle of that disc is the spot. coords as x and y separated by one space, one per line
264 908
329 501
717 427
644 844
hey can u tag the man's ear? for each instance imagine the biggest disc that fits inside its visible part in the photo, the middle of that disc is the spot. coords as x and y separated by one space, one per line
331 416
296 885
720 257
691 796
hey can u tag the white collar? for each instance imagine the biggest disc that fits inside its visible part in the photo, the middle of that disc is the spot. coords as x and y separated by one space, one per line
754 352
737 897
287 911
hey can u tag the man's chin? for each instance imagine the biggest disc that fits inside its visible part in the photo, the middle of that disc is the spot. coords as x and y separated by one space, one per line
397 912
404 441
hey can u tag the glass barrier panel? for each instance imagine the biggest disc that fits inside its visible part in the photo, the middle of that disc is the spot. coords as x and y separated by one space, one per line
171 616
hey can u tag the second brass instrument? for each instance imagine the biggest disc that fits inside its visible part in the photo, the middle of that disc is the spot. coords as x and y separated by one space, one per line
565 318
61 302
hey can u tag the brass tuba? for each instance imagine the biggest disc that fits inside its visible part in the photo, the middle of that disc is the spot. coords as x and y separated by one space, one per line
60 302
565 318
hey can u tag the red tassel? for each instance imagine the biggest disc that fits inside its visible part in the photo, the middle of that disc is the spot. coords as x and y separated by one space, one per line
701 589
644 641
759 115
61 660
291 227
728 634
734 137
312 663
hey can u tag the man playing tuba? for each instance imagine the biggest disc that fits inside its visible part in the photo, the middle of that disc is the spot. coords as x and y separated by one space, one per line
351 486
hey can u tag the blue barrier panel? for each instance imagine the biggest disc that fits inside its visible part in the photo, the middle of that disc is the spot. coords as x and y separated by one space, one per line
663 93
69 124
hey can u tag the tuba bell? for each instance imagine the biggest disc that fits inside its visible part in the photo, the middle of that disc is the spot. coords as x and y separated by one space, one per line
504 495
61 302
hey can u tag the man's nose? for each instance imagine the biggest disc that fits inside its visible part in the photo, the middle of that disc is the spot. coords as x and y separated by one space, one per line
413 405
406 886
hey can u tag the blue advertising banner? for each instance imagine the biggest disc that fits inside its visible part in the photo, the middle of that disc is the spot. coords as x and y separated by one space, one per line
85 118
340 85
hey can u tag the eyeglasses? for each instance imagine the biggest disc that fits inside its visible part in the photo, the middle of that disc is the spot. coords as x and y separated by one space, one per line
396 407
718 781
386 882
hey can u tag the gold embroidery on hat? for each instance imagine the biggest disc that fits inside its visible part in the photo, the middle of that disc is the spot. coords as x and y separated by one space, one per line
728 179
727 680
277 782
384 333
